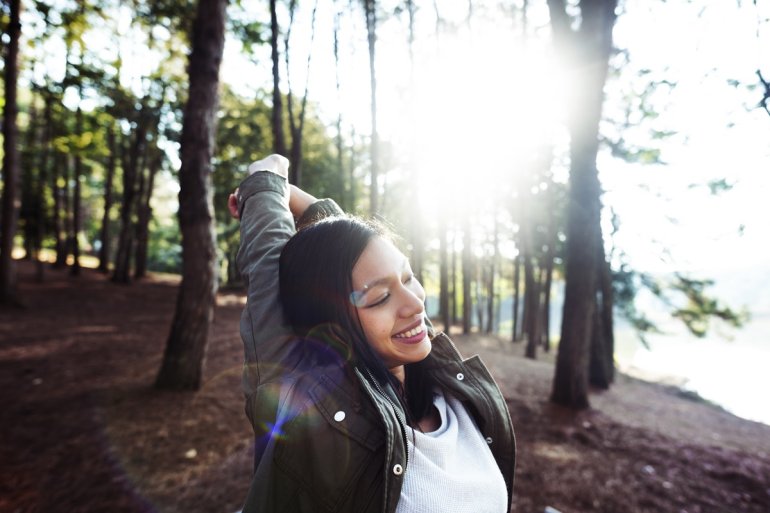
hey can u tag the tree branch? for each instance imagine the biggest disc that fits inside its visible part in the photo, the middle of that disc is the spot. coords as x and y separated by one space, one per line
766 94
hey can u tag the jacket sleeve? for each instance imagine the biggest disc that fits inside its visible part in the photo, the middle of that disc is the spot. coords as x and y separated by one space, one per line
266 225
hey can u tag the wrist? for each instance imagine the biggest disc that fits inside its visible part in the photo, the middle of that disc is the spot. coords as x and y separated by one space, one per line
299 201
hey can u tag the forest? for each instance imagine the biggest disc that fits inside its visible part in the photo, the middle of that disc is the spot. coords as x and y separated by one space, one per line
482 132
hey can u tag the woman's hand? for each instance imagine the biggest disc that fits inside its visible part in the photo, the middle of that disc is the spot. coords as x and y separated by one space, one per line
299 200
232 204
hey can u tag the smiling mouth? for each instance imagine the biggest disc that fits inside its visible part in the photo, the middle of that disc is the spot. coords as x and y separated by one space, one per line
412 335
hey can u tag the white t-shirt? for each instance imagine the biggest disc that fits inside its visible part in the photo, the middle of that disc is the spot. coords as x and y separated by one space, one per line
452 468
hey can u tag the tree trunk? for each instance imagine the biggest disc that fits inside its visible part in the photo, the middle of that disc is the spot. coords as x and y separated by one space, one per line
416 229
352 192
144 214
126 240
77 222
547 300
10 203
516 296
279 139
69 223
549 262
370 9
466 264
60 209
104 237
478 295
531 315
590 46
443 301
491 281
298 125
453 293
531 307
602 365
30 200
183 361
344 193
45 155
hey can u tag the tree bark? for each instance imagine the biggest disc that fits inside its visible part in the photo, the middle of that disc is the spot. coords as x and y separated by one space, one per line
344 193
516 296
297 125
479 296
590 46
10 204
531 314
443 302
60 209
30 199
416 229
531 307
547 298
144 214
370 9
491 281
466 265
183 360
453 281
548 281
45 155
602 365
104 233
126 239
279 139
77 221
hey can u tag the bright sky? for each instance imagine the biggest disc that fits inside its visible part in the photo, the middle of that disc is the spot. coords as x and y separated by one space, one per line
718 138
483 101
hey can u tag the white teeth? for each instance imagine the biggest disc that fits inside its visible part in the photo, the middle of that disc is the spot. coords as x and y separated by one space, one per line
412 332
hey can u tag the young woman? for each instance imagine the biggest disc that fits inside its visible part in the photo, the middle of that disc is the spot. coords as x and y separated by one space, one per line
356 404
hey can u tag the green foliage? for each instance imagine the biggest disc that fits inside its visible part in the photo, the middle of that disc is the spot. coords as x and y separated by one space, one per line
626 284
245 29
701 308
164 247
175 15
243 135
685 298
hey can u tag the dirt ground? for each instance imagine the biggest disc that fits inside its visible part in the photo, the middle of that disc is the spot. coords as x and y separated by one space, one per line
82 430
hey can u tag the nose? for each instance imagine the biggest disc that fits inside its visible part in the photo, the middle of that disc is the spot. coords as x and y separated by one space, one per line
413 302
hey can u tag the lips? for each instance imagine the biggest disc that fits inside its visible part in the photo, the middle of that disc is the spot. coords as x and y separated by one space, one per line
411 335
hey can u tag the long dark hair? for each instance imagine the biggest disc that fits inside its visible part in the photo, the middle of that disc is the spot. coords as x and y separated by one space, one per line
315 275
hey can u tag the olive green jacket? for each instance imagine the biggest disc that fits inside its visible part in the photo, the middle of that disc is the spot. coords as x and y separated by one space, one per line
326 438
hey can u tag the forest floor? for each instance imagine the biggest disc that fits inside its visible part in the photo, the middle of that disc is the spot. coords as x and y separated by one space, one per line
82 430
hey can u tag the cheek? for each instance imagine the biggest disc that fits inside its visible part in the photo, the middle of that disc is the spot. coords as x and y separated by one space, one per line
377 325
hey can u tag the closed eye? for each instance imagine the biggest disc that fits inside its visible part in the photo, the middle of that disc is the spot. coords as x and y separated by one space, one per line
380 301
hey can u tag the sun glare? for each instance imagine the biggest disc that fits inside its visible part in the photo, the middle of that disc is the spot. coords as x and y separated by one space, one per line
482 110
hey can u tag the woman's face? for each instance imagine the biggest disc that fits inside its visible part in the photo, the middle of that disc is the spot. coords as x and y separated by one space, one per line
389 301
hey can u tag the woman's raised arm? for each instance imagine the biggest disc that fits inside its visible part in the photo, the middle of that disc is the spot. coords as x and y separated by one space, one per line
261 202
267 207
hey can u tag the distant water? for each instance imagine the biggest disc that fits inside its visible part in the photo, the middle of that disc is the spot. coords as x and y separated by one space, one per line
729 366
732 374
